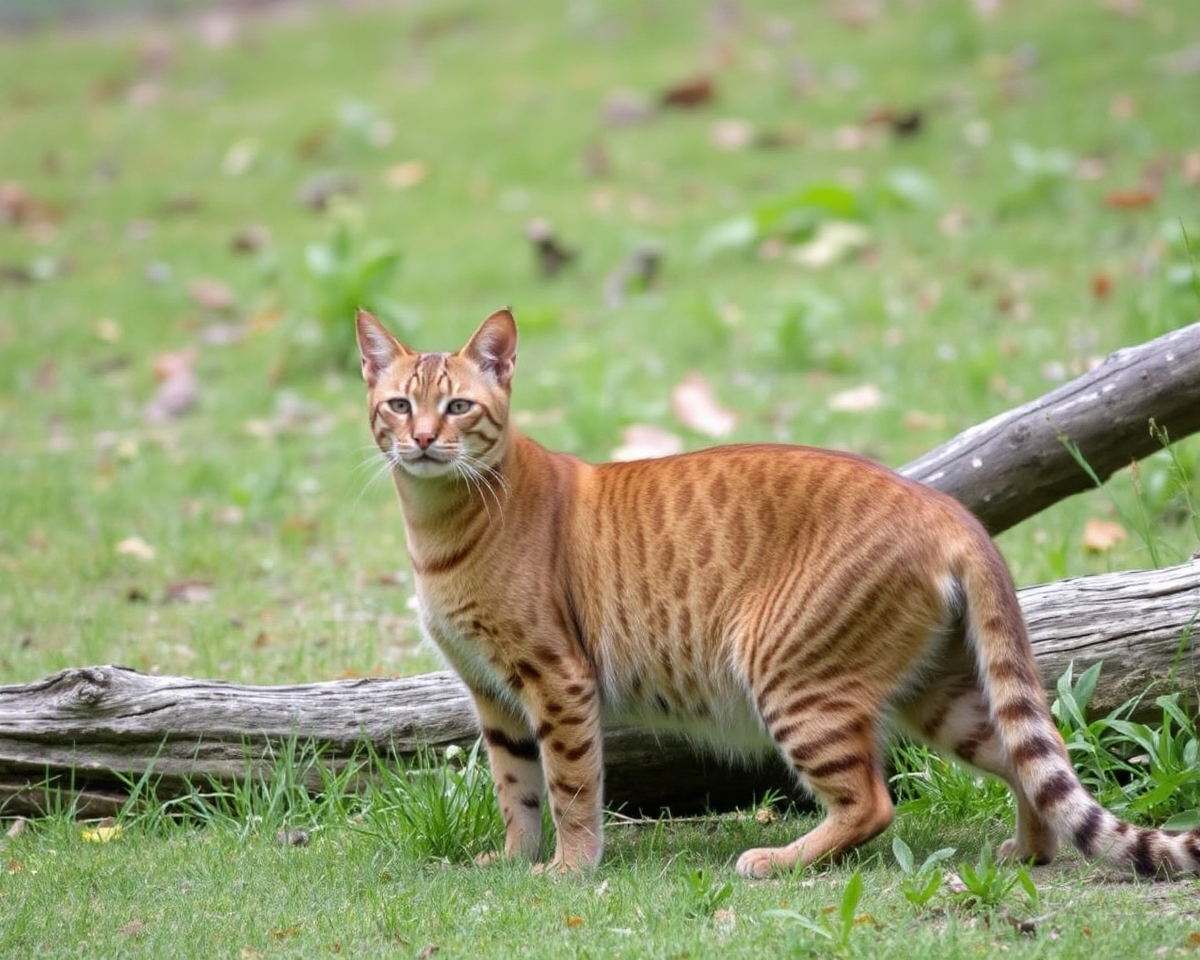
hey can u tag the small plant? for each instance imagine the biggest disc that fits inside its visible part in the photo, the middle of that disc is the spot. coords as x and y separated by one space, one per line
835 925
705 895
927 784
1135 769
988 883
920 885
437 810
346 272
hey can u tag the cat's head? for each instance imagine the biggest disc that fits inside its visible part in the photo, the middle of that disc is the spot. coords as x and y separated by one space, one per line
440 414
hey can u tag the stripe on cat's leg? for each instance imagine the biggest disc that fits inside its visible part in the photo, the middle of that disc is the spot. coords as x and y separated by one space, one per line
839 762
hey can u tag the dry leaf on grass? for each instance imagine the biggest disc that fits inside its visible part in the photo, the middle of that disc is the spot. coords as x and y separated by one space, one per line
1133 199
733 134
103 832
834 241
693 92
856 399
641 441
212 295
697 408
177 387
135 547
1100 536
403 176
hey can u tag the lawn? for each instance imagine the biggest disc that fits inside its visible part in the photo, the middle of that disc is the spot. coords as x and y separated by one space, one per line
212 194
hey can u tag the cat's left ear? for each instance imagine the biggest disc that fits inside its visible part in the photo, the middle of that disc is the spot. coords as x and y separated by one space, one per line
493 347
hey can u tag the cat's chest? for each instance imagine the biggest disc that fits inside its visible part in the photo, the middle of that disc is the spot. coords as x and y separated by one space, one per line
464 633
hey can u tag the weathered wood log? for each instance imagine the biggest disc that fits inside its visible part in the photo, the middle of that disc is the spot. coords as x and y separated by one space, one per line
78 726
1015 464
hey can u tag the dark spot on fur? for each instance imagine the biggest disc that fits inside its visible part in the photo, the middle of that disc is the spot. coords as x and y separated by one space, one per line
575 753
1033 749
1145 859
831 767
1055 790
1085 833
521 749
1023 708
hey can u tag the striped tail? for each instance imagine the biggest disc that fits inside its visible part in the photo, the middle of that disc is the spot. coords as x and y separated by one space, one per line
996 630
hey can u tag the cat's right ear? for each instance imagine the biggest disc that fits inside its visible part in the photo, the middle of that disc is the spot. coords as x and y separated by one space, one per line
378 348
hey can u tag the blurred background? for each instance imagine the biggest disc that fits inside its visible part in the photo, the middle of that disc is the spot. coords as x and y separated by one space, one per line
859 223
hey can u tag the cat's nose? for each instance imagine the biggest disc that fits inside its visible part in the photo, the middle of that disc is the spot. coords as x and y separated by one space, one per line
424 439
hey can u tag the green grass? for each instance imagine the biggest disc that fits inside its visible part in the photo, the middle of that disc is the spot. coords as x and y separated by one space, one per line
979 289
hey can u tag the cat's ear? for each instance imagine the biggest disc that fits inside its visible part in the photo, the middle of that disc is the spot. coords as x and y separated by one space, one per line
379 349
493 347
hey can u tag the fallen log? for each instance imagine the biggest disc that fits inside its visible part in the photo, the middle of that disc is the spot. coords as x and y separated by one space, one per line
78 729
1015 465
75 728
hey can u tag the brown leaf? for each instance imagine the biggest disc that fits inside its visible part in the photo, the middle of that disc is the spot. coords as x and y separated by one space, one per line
251 238
189 591
14 866
1100 536
574 921
177 390
693 92
696 407
427 951
1132 199
1102 284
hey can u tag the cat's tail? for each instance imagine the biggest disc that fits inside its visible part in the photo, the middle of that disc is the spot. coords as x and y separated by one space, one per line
997 632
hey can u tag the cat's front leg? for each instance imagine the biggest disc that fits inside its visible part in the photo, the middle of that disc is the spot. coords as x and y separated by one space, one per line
564 706
517 772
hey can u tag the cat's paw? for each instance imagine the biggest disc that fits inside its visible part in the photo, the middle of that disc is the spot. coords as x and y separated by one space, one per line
488 859
1013 851
762 862
555 868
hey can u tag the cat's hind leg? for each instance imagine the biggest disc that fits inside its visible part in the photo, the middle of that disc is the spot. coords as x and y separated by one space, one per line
831 740
951 713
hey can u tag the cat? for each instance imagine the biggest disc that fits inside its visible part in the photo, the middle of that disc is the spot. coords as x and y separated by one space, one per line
751 596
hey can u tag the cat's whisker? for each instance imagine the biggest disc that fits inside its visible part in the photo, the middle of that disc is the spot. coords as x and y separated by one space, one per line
470 477
485 475
384 465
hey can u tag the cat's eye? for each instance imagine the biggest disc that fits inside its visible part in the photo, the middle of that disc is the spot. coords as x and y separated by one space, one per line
458 406
400 405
